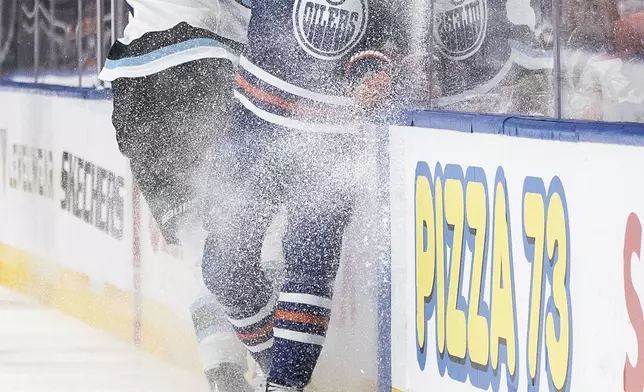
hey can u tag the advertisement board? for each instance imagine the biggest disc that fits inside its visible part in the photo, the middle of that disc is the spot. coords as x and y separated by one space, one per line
65 204
77 235
515 262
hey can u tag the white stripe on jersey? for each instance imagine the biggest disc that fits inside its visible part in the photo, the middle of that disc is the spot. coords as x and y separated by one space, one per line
292 89
291 123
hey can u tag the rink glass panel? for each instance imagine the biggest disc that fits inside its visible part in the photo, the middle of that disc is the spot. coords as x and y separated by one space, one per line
55 41
481 56
485 56
602 46
498 56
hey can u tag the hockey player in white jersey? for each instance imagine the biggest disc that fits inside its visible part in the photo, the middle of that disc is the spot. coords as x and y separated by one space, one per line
172 82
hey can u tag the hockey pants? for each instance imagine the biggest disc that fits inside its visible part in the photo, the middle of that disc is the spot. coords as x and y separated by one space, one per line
165 124
258 168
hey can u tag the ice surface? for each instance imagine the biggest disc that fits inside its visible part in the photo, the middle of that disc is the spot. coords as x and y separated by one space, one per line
42 349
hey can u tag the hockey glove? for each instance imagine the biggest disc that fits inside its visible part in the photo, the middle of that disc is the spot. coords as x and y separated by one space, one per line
370 72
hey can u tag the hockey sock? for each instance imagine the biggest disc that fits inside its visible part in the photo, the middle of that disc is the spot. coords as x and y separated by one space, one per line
255 331
301 322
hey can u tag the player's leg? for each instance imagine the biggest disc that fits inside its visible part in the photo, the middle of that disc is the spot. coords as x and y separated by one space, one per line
223 357
211 324
319 207
243 202
165 124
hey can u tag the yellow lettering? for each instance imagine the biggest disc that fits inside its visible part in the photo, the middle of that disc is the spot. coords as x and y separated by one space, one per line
424 254
454 215
502 312
477 328
558 350
534 227
440 268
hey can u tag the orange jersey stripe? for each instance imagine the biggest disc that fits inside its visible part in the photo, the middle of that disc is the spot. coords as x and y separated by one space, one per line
273 100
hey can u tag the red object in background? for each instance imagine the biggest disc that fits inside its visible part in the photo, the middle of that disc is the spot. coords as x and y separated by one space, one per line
89 26
157 240
633 374
629 34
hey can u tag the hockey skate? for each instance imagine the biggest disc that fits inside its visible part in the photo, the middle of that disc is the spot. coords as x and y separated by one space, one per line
259 381
227 378
260 384
270 387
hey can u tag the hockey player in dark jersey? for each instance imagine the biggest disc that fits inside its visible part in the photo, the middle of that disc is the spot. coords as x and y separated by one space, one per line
310 73
172 81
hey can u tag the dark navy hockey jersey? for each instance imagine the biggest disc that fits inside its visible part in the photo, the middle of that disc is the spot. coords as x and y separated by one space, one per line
296 61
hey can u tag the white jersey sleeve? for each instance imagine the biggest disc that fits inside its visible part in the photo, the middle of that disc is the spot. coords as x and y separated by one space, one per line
165 33
226 18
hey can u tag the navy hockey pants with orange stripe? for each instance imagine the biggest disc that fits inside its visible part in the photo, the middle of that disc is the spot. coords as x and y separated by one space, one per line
258 168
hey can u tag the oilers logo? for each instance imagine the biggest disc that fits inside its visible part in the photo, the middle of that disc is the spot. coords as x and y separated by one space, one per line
328 29
460 27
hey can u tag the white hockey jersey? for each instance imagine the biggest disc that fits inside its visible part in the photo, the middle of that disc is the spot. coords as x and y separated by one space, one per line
164 33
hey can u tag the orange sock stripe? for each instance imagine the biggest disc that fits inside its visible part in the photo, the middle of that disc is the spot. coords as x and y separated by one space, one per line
255 334
318 321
